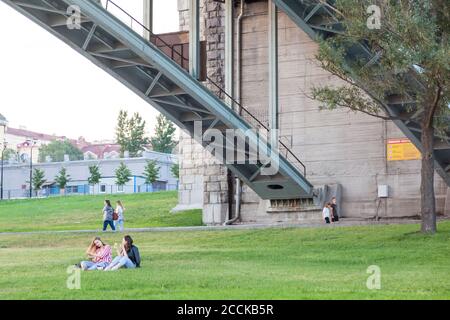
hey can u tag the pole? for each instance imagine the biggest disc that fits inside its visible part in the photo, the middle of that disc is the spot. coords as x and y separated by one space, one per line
273 74
31 173
194 38
1 188
148 18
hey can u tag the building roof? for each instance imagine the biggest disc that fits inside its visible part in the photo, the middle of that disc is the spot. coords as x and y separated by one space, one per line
100 149
36 135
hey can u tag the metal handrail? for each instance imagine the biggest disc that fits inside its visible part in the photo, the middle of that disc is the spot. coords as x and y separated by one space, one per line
173 51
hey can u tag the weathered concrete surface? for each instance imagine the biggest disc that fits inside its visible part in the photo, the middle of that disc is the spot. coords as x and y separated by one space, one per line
447 203
337 147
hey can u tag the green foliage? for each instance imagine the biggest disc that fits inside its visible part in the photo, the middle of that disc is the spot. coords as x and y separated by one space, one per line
81 212
409 63
413 43
57 149
276 263
163 140
38 179
123 174
151 172
175 169
130 134
94 175
62 178
10 154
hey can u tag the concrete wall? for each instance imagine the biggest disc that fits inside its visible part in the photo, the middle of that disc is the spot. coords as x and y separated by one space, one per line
336 146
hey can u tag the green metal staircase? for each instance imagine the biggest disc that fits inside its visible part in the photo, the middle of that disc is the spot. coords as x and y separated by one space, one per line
139 64
316 19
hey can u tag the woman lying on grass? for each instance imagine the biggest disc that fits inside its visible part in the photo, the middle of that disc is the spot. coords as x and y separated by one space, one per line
99 255
127 256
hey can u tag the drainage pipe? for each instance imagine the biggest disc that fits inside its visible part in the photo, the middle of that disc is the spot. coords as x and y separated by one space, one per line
238 87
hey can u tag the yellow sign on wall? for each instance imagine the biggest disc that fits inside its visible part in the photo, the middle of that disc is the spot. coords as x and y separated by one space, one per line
402 149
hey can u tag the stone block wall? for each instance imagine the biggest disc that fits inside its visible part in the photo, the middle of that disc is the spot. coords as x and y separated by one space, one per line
203 180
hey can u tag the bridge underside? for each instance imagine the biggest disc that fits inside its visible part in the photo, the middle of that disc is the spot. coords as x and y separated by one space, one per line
160 80
317 20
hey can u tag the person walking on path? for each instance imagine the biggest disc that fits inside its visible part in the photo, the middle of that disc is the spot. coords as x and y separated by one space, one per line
108 213
120 218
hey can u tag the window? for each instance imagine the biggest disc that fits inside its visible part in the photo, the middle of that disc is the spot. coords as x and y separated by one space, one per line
119 188
103 188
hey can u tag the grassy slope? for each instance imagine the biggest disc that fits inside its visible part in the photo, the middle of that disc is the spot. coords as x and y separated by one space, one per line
326 263
84 212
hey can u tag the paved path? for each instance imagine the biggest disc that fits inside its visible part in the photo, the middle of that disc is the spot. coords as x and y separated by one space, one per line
342 223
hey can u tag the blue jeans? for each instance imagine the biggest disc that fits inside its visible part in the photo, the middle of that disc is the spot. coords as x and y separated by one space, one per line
110 223
118 224
89 265
119 262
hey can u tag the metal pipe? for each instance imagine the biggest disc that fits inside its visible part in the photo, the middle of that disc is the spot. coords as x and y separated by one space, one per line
273 73
194 38
238 88
148 18
229 50
239 54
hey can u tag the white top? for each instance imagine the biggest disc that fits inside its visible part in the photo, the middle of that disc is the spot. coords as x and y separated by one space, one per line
119 211
326 213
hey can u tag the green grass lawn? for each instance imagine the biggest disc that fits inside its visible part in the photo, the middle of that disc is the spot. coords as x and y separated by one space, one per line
321 263
85 212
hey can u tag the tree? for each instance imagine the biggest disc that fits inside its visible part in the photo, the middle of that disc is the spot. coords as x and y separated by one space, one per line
123 174
151 172
38 179
163 140
95 175
57 149
10 154
62 178
412 45
130 134
121 132
175 169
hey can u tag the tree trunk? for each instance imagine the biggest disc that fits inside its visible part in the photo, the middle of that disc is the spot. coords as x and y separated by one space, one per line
428 203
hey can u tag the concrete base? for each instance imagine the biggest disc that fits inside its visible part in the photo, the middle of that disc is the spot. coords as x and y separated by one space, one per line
215 214
185 207
447 203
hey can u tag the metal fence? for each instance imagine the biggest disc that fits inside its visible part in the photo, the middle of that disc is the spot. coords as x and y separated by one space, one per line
80 190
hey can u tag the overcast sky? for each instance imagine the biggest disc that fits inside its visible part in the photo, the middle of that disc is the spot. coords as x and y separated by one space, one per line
48 87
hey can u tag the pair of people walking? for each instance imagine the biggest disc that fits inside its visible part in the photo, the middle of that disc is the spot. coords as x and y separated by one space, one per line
100 256
330 211
113 217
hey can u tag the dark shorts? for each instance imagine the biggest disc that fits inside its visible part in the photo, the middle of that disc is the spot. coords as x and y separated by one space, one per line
327 220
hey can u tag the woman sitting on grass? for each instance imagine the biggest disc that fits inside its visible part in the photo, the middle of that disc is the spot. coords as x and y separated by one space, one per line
127 256
99 255
108 212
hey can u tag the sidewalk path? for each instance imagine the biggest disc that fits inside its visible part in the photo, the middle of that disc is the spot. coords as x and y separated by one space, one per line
342 223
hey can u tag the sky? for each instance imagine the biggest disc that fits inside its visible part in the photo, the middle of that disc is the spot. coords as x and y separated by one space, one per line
46 86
